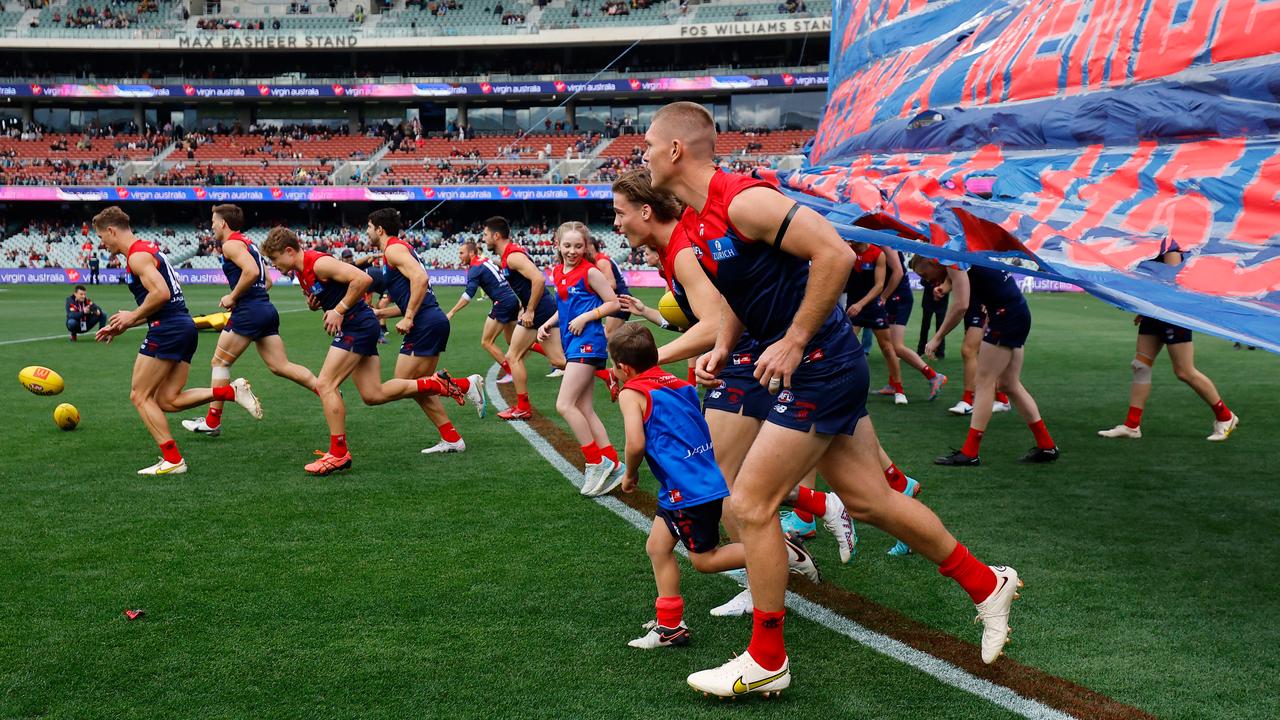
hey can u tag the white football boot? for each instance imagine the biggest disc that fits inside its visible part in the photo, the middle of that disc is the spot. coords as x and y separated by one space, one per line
840 525
506 379
475 394
164 467
961 408
741 676
999 407
198 425
245 397
993 613
658 636
800 562
1222 430
444 446
741 604
555 373
899 399
1121 431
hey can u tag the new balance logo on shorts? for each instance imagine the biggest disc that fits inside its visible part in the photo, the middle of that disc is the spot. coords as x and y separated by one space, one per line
588 348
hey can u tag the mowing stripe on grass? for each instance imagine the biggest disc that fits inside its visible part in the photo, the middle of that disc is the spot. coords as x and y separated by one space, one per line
939 669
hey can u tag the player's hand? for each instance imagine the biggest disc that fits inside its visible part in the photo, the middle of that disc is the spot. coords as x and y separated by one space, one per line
854 310
939 292
931 349
449 315
576 326
123 320
106 334
332 321
313 302
630 480
632 304
227 301
707 369
777 363
544 334
526 318
404 326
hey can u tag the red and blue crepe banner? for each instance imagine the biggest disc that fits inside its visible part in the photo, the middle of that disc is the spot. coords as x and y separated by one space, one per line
1086 135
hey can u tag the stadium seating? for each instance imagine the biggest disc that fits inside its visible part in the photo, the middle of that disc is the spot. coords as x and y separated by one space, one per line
431 172
493 146
241 147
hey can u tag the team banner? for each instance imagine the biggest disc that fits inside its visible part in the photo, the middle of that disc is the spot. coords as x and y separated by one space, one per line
303 193
421 90
1085 136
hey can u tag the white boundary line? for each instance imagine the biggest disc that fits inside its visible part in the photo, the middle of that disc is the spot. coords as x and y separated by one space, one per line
63 336
941 670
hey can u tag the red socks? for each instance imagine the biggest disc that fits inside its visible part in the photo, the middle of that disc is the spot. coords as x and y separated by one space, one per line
972 443
213 418
810 501
1221 412
605 375
224 393
462 383
448 433
968 397
506 368
1002 397
670 611
1043 440
591 453
897 481
537 347
522 402
976 578
337 445
929 373
897 386
169 450
431 386
767 647
805 516
693 376
1134 419
609 452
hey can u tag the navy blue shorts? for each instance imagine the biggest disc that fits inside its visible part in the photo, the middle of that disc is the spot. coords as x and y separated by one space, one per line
974 316
429 336
898 307
505 312
1168 334
697 526
595 362
828 393
360 332
546 308
254 320
621 315
171 338
1008 327
872 316
741 393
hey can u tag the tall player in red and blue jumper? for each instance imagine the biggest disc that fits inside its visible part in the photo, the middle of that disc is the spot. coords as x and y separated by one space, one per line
735 407
164 360
422 323
780 269
536 305
338 288
1000 357
1153 335
254 320
583 300
664 425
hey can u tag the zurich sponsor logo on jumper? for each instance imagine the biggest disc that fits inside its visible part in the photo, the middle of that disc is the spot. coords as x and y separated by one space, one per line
722 249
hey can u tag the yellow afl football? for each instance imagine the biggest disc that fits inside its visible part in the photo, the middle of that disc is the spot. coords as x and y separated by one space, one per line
672 313
66 416
41 380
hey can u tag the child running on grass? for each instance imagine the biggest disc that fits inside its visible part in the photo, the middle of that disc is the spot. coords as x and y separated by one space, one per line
664 425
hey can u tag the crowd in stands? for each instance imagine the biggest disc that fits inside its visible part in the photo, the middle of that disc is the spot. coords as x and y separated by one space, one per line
88 16
439 8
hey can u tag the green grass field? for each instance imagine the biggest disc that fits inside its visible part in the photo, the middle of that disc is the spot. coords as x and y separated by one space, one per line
481 585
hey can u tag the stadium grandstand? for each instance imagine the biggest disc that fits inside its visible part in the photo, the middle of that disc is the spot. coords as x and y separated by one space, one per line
188 101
